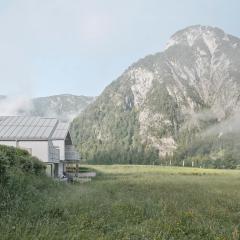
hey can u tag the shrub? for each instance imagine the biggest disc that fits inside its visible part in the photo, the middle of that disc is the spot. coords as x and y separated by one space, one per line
14 158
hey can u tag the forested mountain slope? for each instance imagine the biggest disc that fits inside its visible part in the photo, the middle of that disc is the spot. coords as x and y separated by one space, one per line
165 102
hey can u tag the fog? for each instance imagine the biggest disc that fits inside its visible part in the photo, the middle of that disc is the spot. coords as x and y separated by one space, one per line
15 105
229 125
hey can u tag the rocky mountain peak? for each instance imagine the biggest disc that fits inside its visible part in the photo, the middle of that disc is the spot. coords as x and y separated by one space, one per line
212 37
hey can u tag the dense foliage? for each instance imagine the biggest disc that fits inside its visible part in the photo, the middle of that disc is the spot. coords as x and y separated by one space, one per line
210 151
111 135
122 143
15 160
22 180
107 135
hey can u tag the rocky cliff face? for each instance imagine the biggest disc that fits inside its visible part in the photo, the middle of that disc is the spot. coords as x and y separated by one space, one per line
164 99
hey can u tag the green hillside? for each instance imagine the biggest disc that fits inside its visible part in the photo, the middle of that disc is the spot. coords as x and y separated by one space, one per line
107 134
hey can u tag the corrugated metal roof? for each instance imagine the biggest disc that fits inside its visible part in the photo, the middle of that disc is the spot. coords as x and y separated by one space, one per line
31 128
61 131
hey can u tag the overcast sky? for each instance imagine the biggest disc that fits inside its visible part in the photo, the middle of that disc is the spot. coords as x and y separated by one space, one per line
79 46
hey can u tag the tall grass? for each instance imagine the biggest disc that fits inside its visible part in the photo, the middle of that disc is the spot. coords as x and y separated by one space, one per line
129 202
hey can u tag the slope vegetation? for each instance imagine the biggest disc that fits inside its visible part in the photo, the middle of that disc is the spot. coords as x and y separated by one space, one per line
166 101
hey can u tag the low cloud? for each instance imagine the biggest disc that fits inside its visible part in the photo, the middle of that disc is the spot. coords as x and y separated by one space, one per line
15 105
227 126
26 106
217 122
195 119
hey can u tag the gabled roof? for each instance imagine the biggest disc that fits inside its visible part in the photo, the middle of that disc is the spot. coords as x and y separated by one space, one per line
61 131
31 128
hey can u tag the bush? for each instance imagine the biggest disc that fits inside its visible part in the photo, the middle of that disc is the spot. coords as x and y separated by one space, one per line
22 181
14 158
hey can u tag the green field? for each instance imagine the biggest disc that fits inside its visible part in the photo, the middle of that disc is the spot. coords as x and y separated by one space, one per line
130 202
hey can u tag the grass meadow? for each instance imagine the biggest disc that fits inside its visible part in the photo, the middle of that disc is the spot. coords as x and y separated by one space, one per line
130 202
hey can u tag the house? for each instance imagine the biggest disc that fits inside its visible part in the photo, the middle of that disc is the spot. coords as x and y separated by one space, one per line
48 139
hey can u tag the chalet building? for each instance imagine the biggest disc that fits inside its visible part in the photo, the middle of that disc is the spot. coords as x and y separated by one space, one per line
48 139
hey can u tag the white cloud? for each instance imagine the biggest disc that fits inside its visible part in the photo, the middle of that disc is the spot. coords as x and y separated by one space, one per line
13 105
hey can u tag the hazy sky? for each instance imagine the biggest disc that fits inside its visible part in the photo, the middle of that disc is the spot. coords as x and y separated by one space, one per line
79 46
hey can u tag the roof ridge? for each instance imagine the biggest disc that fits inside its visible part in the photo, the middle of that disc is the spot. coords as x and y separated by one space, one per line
54 129
61 133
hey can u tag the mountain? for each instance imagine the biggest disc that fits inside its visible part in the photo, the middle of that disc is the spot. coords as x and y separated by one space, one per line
167 102
64 107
